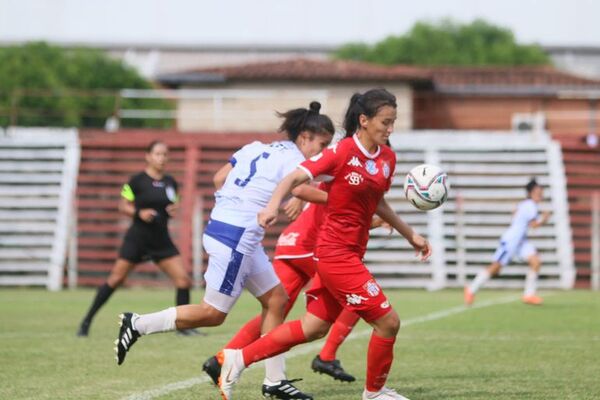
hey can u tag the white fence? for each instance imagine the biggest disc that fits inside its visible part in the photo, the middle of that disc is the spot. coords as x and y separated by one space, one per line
38 173
487 172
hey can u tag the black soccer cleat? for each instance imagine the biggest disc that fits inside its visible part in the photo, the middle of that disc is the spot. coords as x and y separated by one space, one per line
212 369
331 368
285 390
84 328
127 336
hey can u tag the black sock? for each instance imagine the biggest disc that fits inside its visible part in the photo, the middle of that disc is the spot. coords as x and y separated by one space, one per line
183 297
102 296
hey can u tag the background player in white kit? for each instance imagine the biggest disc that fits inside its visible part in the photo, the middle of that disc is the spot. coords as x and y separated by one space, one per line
514 243
233 236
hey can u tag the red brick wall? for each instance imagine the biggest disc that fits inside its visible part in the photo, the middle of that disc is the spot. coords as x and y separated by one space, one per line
563 116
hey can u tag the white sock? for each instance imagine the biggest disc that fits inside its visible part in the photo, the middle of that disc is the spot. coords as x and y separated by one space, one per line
530 283
482 277
275 370
162 321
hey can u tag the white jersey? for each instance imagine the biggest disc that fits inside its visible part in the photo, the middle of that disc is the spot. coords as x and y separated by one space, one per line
527 211
257 170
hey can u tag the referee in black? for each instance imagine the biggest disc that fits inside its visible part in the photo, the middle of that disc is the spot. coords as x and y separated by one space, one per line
150 198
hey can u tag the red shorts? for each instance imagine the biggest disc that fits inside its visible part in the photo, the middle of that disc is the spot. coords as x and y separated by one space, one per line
345 283
294 274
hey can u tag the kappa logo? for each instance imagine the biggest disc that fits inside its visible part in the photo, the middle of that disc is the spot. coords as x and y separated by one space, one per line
355 162
355 299
288 239
354 178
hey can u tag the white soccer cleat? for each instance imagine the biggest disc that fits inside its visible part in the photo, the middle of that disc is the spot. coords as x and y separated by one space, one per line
383 394
232 365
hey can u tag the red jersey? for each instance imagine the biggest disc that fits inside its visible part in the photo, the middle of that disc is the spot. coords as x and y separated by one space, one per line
359 181
299 238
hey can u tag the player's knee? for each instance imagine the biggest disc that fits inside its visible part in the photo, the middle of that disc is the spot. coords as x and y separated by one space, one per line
535 263
277 300
494 269
213 317
116 280
389 325
317 332
183 282
393 325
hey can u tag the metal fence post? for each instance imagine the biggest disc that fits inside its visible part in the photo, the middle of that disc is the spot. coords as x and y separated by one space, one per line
595 250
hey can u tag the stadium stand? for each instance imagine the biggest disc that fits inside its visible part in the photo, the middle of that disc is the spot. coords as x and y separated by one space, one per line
581 164
487 172
38 170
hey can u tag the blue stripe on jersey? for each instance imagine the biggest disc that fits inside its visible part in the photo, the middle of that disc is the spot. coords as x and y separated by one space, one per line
232 272
233 161
227 234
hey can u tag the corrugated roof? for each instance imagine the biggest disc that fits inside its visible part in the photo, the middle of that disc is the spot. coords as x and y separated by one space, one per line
304 69
530 75
519 81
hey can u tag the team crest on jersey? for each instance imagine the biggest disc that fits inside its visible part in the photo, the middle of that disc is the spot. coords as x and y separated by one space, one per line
371 167
171 194
386 169
355 299
354 178
372 288
355 162
288 239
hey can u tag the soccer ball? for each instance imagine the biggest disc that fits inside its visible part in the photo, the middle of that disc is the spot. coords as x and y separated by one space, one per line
426 187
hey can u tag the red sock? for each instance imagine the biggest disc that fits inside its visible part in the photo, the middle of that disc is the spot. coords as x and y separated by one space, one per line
339 331
278 341
248 334
379 361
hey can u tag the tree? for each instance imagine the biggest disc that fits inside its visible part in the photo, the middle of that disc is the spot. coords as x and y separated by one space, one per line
448 43
53 86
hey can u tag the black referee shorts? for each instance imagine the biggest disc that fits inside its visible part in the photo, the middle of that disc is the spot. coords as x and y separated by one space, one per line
147 244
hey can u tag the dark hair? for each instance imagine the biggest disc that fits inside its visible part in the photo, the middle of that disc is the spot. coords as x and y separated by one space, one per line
368 104
153 144
532 184
305 119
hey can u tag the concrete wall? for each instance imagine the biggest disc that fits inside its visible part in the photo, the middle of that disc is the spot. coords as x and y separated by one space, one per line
247 107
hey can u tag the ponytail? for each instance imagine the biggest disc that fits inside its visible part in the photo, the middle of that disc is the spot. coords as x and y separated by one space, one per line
368 104
305 119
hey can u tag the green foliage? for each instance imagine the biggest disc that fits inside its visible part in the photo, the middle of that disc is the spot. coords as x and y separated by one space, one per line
53 86
448 43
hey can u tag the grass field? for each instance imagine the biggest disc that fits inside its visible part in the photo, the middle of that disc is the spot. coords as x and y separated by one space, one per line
500 349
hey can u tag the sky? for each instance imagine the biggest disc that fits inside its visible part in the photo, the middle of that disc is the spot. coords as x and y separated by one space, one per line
266 23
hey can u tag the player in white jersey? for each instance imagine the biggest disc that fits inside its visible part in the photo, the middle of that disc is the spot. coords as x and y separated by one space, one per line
233 237
514 243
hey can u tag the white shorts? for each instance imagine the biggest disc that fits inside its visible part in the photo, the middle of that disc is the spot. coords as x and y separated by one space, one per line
507 251
229 271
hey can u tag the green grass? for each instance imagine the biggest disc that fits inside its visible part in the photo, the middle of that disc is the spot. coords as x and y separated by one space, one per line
504 351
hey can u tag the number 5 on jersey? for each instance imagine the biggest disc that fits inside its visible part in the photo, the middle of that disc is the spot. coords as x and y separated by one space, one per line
244 182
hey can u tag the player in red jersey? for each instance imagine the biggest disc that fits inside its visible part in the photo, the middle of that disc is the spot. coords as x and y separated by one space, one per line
361 170
295 266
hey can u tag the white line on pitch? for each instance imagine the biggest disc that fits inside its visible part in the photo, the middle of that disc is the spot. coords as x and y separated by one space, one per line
172 387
